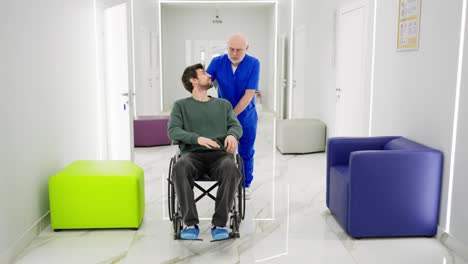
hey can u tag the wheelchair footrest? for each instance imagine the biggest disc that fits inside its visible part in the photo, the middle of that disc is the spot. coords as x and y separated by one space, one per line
224 239
198 239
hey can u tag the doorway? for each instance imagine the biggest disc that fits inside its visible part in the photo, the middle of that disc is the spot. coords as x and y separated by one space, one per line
114 52
282 78
298 67
352 87
202 31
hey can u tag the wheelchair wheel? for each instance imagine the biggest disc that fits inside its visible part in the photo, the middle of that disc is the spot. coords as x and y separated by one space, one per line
241 189
234 224
177 225
170 191
173 207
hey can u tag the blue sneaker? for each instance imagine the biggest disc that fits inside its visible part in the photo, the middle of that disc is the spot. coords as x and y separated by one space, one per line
219 233
190 233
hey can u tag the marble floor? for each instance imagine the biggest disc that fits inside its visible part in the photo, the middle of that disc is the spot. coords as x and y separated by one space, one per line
286 222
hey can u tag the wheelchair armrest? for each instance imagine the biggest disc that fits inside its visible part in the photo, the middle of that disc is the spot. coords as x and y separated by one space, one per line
235 155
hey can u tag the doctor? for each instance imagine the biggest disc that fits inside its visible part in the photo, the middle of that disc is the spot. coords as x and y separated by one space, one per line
237 74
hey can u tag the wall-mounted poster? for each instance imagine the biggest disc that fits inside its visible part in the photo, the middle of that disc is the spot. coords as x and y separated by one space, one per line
408 24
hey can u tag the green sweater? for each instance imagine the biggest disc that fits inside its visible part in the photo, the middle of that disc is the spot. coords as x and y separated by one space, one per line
191 119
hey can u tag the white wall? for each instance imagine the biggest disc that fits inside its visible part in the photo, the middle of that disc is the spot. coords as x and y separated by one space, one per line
459 216
181 23
146 27
49 108
414 92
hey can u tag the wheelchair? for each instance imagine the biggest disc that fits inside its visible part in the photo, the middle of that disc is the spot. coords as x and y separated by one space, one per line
236 214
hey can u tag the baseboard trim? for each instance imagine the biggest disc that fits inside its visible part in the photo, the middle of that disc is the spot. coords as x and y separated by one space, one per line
27 237
452 243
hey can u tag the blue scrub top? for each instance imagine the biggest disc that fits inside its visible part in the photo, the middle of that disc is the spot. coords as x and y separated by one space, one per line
232 86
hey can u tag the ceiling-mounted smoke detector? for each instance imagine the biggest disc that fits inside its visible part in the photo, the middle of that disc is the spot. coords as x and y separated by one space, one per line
217 19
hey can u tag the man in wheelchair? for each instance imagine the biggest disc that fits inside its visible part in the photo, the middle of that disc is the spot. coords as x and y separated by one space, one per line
208 133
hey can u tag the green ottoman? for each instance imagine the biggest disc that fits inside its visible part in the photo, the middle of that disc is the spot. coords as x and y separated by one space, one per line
97 194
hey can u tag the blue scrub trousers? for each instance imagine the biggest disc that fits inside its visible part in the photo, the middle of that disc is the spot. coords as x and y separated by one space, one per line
246 149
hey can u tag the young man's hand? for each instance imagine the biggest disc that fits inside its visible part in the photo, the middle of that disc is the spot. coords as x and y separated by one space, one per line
230 143
208 143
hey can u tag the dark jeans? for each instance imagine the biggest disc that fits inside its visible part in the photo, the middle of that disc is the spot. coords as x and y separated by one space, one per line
219 166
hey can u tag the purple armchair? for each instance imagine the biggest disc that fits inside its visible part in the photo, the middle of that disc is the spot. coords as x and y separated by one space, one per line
383 186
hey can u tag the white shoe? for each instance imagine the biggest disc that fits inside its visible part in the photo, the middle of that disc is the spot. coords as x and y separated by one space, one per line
248 193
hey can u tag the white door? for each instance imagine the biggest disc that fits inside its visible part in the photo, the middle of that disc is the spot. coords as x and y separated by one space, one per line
117 86
351 89
282 81
298 85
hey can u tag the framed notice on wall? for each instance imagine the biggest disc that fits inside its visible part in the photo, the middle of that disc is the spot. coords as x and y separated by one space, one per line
408 24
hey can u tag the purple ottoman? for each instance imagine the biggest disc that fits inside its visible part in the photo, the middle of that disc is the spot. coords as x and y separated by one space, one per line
151 131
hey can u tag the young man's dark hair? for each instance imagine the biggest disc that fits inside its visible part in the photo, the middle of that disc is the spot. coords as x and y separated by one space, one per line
189 73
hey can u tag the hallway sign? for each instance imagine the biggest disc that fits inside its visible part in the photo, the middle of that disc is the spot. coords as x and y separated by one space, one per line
408 24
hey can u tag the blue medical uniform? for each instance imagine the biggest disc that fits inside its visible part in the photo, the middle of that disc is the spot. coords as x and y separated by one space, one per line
232 86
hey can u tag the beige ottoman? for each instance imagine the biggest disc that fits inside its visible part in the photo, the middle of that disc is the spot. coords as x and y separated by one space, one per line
300 135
